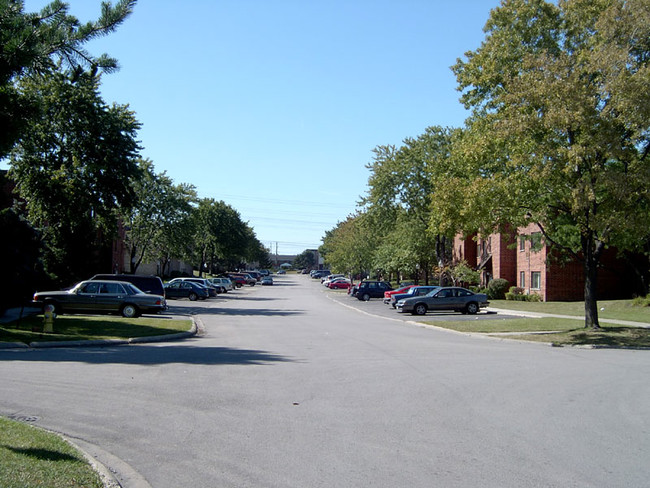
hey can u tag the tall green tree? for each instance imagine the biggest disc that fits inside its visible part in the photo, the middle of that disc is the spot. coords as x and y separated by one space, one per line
560 126
37 43
399 200
73 168
349 247
160 207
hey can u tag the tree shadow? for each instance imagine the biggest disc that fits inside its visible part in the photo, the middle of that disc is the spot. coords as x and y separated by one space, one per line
42 454
188 352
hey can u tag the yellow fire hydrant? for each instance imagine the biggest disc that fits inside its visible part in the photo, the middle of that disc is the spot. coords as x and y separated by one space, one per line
48 318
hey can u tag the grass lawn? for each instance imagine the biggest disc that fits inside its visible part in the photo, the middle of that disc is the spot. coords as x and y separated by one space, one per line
83 327
607 309
566 332
34 458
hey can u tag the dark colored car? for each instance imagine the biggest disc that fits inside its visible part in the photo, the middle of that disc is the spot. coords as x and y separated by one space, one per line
146 283
447 298
102 296
371 289
212 289
414 291
186 289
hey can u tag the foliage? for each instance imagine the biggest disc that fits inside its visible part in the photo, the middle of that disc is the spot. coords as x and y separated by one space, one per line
305 260
218 233
72 167
641 301
157 218
462 273
349 247
517 294
497 288
32 43
560 127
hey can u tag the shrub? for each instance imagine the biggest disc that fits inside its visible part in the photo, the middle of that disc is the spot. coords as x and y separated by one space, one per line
497 288
641 301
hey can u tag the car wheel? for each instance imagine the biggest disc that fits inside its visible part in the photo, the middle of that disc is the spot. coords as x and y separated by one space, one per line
192 296
365 297
472 308
130 311
420 309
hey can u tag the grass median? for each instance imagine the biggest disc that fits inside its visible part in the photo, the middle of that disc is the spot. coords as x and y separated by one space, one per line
563 331
34 458
90 327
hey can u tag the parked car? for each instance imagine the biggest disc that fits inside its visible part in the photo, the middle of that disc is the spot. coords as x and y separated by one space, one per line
325 280
237 280
212 290
281 272
186 289
389 293
267 280
102 296
414 291
148 284
255 274
339 284
447 298
243 278
371 289
317 274
223 284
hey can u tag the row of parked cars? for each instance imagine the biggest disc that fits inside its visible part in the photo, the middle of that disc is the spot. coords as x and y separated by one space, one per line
414 299
133 295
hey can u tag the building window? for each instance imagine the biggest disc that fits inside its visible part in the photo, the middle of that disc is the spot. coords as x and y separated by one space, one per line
522 243
536 280
522 279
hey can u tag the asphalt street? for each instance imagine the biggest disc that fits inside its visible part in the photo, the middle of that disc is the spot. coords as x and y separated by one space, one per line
293 386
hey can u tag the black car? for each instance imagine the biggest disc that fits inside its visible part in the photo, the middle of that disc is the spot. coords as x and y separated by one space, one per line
146 283
101 296
186 289
371 289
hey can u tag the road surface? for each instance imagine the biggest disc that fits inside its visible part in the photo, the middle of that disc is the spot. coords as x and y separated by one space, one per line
286 387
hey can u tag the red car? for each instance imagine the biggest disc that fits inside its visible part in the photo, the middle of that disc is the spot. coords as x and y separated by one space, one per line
390 293
339 284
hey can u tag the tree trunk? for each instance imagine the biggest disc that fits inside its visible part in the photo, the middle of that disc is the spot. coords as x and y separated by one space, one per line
591 251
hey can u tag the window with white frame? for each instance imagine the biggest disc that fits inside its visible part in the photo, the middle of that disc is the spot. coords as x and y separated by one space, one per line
522 279
536 280
522 243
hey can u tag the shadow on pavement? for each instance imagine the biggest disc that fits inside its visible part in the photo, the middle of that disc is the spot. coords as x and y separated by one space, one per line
149 355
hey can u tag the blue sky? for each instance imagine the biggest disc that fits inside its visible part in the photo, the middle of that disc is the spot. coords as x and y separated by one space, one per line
274 106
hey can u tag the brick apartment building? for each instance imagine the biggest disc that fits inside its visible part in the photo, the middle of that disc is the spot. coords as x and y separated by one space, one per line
526 261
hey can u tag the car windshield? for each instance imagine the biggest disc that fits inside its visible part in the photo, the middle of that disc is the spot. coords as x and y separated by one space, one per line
433 292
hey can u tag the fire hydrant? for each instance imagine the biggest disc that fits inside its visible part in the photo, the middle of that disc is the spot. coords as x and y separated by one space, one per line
48 318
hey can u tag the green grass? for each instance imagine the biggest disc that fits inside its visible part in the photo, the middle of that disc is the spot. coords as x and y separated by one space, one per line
33 458
607 309
86 327
565 332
